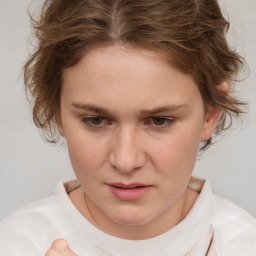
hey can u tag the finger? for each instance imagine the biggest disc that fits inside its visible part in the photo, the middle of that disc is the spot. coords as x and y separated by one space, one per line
60 247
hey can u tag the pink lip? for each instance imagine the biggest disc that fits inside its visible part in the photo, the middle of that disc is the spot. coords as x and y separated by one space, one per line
129 192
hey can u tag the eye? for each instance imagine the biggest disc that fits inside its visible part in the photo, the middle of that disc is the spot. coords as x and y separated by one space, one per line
160 122
95 121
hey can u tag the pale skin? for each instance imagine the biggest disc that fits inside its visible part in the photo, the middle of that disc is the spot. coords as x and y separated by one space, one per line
137 120
60 247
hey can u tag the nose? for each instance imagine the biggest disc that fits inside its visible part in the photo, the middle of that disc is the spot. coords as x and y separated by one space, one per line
127 152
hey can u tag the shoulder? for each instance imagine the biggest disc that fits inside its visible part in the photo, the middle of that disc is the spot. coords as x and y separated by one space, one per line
30 213
21 230
31 229
235 229
38 214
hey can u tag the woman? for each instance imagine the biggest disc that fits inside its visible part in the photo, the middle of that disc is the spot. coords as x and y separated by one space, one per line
135 88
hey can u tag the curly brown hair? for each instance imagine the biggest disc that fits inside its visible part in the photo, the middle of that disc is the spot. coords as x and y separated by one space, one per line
190 33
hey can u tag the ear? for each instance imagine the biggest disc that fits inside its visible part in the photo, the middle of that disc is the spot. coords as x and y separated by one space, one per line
60 126
211 120
213 113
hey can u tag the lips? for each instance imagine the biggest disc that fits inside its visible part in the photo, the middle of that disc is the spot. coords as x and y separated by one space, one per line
129 192
125 186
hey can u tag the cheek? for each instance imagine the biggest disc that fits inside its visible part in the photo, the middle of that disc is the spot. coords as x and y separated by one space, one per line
176 155
180 145
86 154
174 164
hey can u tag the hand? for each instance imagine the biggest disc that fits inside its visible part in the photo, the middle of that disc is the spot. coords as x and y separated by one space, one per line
60 247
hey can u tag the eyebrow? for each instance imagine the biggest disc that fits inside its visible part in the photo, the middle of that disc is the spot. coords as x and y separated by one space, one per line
162 109
144 112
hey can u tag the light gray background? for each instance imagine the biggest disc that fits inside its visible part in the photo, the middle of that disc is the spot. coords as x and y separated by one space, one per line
29 168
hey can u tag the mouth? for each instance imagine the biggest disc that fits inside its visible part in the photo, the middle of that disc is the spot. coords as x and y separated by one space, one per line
128 186
129 192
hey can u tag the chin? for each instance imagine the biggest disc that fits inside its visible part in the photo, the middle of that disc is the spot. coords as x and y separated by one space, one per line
130 218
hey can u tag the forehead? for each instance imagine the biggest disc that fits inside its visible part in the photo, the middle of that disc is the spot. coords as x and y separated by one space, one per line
124 76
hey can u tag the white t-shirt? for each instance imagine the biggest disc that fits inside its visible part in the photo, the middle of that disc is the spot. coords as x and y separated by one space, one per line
214 226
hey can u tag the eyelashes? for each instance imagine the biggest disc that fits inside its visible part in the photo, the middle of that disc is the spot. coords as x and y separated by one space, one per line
94 121
160 121
99 122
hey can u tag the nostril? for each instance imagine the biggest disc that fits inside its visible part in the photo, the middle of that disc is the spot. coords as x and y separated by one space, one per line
126 158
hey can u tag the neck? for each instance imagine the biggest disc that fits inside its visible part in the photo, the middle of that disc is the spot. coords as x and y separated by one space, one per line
153 228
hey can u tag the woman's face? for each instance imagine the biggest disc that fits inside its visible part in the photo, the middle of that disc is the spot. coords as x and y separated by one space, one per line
133 125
